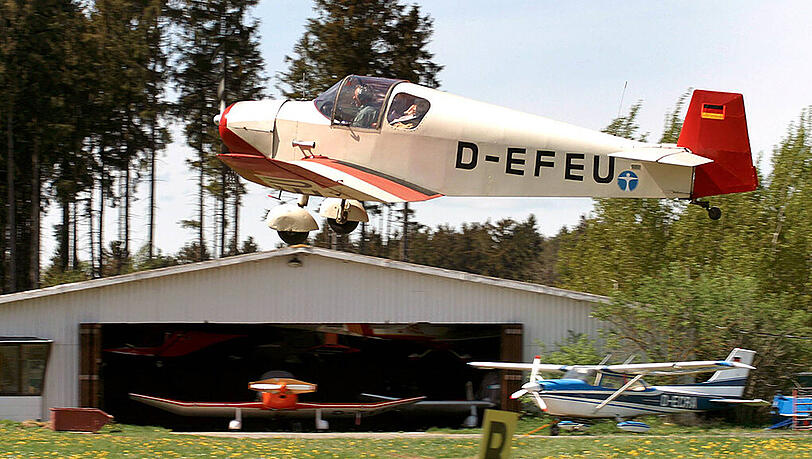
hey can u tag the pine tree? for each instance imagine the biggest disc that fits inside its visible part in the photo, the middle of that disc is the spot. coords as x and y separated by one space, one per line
218 42
363 37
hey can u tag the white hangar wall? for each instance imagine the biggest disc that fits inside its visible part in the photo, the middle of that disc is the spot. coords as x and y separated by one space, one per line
328 287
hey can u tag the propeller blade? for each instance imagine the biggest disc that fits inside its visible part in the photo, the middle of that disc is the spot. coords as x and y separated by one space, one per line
535 371
539 401
221 88
518 394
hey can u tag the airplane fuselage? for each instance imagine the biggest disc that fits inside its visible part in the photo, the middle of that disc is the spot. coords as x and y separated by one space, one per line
464 147
576 399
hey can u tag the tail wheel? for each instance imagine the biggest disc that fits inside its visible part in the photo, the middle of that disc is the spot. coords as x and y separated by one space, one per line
342 228
293 237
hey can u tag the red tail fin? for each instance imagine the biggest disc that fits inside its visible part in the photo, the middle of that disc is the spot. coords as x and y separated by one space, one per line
716 128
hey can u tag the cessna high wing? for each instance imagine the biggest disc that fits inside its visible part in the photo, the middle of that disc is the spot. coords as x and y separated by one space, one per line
389 141
619 392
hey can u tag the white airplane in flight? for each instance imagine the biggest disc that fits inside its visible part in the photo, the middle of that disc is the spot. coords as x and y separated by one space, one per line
619 392
386 140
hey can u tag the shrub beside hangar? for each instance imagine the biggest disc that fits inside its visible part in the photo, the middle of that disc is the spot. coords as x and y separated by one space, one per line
349 322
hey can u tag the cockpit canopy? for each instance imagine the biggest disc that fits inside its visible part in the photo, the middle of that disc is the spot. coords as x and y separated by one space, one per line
359 102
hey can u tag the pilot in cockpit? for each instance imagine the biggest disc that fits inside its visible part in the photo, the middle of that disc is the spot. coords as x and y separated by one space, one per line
367 115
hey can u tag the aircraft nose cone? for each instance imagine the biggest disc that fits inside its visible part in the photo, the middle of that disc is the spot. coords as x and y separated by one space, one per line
217 119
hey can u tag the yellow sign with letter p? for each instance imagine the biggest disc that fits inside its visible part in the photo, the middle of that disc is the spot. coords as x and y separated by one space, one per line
497 434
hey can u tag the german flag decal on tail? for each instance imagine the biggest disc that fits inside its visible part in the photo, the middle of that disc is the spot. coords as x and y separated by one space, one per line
713 112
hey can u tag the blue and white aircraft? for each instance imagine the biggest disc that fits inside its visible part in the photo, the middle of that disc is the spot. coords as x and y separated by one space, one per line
619 392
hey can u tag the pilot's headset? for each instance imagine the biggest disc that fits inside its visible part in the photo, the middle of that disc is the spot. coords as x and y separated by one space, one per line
365 96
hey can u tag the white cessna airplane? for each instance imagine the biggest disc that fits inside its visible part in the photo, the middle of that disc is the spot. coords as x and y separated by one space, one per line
619 392
385 140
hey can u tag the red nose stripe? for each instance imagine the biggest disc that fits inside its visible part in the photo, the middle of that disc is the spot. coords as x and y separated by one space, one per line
234 143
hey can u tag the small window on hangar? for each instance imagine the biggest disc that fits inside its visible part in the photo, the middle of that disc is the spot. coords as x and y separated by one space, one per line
22 365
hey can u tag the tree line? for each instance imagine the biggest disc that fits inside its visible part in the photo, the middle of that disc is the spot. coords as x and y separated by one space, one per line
91 91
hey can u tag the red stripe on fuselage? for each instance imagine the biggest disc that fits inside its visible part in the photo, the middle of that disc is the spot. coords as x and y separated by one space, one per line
402 191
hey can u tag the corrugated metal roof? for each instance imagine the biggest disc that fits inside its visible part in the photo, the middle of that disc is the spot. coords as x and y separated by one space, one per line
304 251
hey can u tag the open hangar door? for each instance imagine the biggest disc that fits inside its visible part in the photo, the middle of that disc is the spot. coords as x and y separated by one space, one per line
215 363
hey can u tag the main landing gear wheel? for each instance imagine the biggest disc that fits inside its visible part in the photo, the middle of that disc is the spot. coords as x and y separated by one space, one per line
554 429
342 228
293 237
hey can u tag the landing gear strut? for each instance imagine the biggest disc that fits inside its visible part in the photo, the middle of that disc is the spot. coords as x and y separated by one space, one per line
714 213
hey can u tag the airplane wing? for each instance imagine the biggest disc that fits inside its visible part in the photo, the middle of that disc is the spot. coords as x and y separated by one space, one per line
326 177
206 409
663 154
546 367
738 401
671 368
660 368
255 409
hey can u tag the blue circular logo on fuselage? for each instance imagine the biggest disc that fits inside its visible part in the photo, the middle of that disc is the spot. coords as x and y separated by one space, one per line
627 181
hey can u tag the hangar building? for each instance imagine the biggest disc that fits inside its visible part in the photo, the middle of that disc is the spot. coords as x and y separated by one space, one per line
201 331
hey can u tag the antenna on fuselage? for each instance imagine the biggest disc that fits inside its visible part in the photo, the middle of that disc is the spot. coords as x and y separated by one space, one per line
622 93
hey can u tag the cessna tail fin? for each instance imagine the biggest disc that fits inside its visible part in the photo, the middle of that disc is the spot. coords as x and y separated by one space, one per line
715 127
731 382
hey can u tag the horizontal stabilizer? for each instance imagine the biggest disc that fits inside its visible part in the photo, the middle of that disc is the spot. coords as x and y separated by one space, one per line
738 401
677 156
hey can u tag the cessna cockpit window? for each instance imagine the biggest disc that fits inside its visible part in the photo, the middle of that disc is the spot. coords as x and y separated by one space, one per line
407 111
612 381
360 100
585 375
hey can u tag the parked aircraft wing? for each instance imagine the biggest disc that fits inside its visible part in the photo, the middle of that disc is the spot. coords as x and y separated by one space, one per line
207 409
545 367
738 401
671 368
255 409
326 177
379 407
659 368
677 156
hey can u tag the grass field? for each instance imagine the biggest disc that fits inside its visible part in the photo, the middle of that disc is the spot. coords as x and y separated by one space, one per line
17 440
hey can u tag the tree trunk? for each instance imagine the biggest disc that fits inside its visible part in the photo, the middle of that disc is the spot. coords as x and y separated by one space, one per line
200 208
11 208
235 246
127 207
405 255
75 241
35 214
64 235
90 231
103 178
151 239
222 210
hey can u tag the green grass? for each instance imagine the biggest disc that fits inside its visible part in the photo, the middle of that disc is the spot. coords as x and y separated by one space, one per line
136 441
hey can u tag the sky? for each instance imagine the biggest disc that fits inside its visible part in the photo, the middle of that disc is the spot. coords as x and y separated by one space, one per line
564 60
